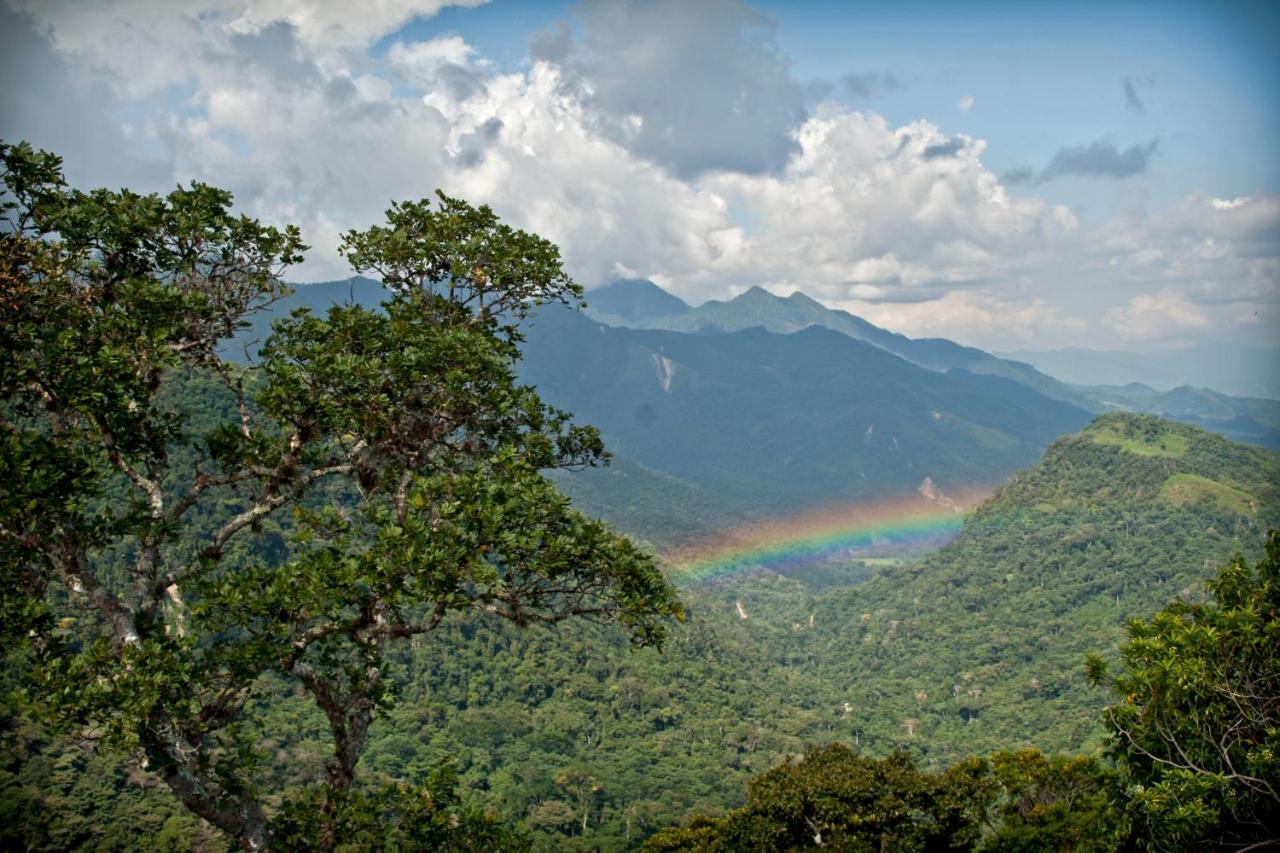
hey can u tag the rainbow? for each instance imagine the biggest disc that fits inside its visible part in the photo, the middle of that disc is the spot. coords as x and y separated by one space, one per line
816 536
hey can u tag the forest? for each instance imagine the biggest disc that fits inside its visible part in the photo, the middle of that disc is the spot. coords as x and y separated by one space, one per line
332 599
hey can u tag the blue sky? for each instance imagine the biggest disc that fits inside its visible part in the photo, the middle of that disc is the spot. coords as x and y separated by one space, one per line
1041 75
1006 174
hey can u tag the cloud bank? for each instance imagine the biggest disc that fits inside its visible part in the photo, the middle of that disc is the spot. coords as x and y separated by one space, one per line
664 140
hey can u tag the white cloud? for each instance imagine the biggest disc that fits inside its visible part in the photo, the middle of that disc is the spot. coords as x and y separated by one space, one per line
152 44
1153 316
422 60
982 317
902 224
863 203
965 104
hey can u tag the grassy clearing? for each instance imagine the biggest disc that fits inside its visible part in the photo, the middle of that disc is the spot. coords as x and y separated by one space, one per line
1187 489
1167 445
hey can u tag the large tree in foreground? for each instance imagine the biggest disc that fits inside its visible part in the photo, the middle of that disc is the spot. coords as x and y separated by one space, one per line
1195 723
178 533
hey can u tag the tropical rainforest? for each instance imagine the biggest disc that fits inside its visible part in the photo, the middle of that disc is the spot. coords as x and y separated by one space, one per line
345 588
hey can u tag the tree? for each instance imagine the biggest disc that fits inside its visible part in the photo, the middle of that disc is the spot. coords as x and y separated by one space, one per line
1052 803
583 787
1195 724
179 533
837 799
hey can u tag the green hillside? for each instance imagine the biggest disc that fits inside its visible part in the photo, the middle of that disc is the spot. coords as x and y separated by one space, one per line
980 643
758 423
979 646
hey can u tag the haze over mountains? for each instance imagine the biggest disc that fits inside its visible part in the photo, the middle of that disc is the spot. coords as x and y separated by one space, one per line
764 405
1223 370
1240 370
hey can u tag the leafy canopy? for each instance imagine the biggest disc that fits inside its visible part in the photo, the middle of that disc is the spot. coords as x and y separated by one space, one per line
178 534
1196 721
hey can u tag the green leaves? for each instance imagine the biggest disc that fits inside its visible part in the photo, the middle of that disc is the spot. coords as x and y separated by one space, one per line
151 568
1196 724
466 256
836 798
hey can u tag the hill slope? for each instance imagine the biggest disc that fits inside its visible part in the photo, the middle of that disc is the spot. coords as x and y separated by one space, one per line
978 646
765 423
982 641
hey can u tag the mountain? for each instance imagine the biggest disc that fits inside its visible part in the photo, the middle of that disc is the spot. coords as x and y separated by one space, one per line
758 307
632 301
714 429
756 423
1256 421
982 642
1250 420
1237 369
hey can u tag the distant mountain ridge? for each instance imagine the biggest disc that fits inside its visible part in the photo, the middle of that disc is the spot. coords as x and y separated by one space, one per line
764 423
633 301
1240 370
1256 421
786 315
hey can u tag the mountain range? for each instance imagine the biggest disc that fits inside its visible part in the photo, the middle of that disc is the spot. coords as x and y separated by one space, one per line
1241 370
1096 382
764 405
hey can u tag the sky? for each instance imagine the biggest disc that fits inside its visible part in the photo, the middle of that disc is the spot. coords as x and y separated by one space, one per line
1008 175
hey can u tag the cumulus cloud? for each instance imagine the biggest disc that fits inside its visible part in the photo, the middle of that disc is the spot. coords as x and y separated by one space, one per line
692 86
673 162
1100 159
965 104
1153 316
867 205
547 168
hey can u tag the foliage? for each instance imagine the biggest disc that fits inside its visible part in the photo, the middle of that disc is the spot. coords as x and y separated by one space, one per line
430 816
1195 723
1053 803
152 578
835 798
980 642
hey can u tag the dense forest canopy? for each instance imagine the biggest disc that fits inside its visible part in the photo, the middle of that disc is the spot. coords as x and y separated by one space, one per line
313 600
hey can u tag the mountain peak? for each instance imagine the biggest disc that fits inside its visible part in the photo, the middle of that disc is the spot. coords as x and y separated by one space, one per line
634 300
801 298
755 292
